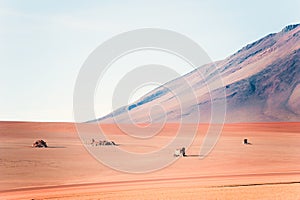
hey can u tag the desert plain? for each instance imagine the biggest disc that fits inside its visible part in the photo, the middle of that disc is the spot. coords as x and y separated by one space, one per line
269 168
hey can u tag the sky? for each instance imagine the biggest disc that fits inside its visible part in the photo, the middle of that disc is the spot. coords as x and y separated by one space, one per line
43 44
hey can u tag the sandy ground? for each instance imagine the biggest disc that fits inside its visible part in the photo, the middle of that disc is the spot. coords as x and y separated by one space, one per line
267 169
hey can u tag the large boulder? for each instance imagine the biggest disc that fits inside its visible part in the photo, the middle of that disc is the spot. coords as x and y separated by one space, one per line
39 144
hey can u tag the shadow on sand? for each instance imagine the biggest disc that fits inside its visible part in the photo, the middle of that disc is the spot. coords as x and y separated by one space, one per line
56 147
192 155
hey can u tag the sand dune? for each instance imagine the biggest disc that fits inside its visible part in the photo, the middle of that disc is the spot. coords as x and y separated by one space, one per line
267 169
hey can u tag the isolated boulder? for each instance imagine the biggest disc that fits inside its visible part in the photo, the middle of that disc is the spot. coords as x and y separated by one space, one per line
180 152
39 144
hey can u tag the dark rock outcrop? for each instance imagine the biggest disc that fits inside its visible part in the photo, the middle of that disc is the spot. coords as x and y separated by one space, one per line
39 144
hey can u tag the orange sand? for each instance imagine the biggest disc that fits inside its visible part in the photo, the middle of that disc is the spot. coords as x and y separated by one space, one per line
267 169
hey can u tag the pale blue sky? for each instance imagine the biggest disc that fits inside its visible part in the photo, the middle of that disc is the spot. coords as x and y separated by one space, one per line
44 43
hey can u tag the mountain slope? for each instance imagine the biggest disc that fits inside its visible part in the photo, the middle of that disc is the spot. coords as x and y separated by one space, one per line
261 83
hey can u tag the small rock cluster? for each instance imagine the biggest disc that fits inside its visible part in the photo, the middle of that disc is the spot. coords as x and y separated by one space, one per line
102 143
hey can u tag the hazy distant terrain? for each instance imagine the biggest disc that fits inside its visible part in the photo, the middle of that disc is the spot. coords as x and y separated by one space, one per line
261 81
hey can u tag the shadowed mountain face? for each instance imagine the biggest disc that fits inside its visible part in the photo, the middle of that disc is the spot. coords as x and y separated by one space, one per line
261 82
